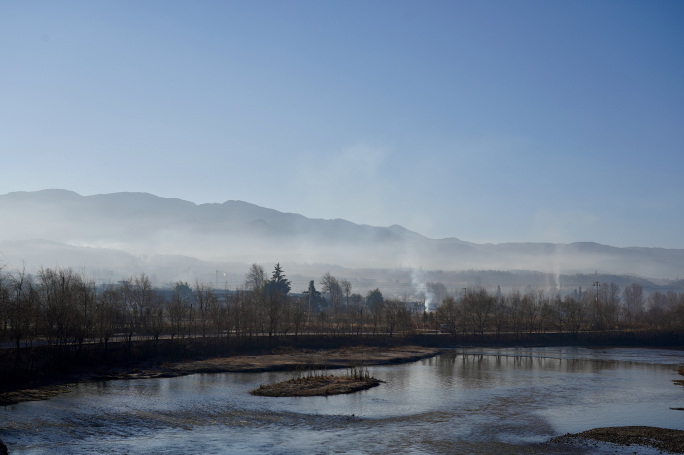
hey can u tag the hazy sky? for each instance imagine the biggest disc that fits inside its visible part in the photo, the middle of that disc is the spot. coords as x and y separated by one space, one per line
483 120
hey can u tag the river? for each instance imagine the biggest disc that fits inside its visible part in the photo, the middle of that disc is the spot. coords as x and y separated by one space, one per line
464 401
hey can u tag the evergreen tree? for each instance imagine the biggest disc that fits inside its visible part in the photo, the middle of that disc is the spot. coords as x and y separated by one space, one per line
278 283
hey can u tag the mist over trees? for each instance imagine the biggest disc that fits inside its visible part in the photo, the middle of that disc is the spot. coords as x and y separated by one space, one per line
64 309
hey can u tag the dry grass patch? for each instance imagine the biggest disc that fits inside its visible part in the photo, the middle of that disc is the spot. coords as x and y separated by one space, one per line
316 386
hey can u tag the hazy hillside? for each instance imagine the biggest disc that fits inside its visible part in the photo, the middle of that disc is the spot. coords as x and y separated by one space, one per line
34 224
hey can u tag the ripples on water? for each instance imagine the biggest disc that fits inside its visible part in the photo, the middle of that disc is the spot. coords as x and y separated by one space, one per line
466 401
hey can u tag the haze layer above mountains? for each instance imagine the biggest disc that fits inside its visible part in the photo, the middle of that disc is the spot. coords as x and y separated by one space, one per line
58 227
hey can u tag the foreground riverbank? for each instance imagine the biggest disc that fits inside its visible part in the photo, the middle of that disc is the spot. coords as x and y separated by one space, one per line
671 441
280 360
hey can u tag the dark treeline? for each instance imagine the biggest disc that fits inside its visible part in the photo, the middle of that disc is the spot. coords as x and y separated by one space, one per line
65 313
61 308
607 309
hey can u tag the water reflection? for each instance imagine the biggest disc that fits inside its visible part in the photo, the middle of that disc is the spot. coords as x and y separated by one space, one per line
465 401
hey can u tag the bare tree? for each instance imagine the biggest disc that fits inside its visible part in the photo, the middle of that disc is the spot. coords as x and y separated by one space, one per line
500 315
22 310
313 300
57 290
155 317
357 312
546 314
85 299
657 309
678 312
375 302
674 318
560 316
448 314
392 314
179 308
479 305
298 314
129 310
516 312
609 295
346 289
218 313
205 301
633 302
530 306
4 304
575 311
143 296
255 277
241 313
331 285
108 314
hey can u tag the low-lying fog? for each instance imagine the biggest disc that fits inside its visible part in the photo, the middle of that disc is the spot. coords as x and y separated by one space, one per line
117 235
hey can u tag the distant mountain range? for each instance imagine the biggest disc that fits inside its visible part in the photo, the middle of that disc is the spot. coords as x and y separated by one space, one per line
53 227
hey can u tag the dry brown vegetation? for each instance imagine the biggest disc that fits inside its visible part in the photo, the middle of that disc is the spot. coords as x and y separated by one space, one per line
303 359
316 386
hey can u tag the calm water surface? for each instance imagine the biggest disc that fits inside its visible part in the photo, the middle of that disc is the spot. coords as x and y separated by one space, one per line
466 401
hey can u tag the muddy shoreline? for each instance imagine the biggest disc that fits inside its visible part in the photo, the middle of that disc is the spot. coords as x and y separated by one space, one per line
668 440
280 360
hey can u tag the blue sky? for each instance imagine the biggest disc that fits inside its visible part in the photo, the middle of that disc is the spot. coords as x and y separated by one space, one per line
487 121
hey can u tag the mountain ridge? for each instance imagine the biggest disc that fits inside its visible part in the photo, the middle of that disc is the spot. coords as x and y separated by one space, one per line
143 223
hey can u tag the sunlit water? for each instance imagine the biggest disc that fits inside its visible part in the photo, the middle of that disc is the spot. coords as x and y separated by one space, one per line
466 401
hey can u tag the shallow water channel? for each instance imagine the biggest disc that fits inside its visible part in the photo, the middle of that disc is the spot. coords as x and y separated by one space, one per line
465 401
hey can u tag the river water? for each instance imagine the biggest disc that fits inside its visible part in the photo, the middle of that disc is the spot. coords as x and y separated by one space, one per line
465 401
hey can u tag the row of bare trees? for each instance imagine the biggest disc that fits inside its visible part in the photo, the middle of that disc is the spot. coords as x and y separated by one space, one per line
607 309
63 308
